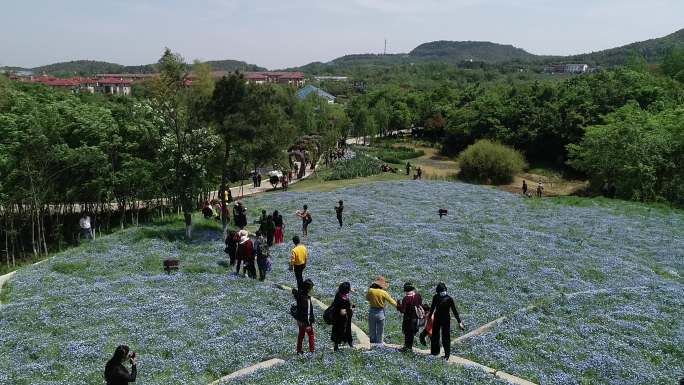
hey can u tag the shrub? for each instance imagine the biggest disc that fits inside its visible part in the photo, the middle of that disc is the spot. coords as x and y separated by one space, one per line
490 162
359 166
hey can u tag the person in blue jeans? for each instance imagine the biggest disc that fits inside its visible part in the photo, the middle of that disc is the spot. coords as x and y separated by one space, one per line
377 298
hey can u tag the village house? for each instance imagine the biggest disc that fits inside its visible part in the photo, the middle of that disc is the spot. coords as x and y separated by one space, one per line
308 90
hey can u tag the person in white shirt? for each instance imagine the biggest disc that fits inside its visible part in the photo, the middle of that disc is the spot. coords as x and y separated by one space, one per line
86 229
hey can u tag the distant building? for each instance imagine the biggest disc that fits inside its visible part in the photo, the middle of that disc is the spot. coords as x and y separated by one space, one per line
113 86
308 90
108 86
334 78
295 79
573 68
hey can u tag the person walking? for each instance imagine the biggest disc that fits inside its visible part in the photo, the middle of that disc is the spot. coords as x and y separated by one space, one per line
241 216
304 315
258 180
442 305
86 228
115 372
245 255
408 307
231 246
269 228
524 187
279 227
306 219
298 259
342 316
377 298
408 168
338 212
540 189
262 251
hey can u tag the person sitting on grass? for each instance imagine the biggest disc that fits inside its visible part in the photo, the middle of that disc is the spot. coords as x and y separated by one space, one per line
305 315
342 316
442 305
407 306
115 372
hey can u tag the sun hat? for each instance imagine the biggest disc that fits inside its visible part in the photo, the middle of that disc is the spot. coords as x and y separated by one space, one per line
382 282
244 236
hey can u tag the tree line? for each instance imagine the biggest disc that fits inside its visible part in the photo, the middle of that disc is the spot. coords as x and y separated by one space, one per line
127 160
569 123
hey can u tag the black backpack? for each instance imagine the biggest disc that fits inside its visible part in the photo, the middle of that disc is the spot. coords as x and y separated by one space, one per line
328 315
293 311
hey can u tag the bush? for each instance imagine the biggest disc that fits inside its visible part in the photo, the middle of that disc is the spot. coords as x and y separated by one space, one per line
490 162
359 166
396 155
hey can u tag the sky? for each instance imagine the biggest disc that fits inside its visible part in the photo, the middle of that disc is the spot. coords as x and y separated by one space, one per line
286 33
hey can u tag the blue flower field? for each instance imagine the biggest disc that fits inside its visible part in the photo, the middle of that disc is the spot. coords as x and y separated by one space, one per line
605 278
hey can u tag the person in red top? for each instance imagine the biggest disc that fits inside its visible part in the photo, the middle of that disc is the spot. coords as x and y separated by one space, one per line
407 306
245 254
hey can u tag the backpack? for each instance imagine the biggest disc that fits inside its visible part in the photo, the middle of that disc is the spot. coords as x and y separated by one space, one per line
308 218
293 311
328 315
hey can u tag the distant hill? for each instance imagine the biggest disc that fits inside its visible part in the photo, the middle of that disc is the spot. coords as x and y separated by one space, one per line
460 51
455 52
653 50
92 67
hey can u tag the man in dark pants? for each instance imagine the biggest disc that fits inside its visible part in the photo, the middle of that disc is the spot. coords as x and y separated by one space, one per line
407 306
298 260
338 211
442 304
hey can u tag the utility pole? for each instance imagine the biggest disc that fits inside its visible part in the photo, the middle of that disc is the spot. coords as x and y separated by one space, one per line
384 52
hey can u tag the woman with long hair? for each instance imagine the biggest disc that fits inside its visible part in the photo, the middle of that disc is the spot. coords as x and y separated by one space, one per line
342 316
115 372
279 227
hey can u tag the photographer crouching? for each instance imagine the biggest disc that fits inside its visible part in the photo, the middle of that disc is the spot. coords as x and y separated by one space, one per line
115 371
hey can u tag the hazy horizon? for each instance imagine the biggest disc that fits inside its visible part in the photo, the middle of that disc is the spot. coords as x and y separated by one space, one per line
272 34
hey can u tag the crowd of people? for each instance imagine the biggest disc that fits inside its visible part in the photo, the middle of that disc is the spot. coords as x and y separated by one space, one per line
250 256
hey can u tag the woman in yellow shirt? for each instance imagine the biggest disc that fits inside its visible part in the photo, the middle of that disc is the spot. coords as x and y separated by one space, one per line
377 298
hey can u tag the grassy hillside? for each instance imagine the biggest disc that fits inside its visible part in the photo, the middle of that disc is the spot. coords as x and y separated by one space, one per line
605 280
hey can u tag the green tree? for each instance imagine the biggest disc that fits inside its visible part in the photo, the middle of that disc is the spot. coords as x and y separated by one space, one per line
185 139
226 110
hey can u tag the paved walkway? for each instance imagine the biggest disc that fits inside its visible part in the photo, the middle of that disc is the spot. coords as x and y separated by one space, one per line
247 190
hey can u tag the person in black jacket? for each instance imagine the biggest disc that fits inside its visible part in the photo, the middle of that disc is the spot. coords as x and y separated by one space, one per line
342 316
115 372
442 304
231 246
305 315
338 212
